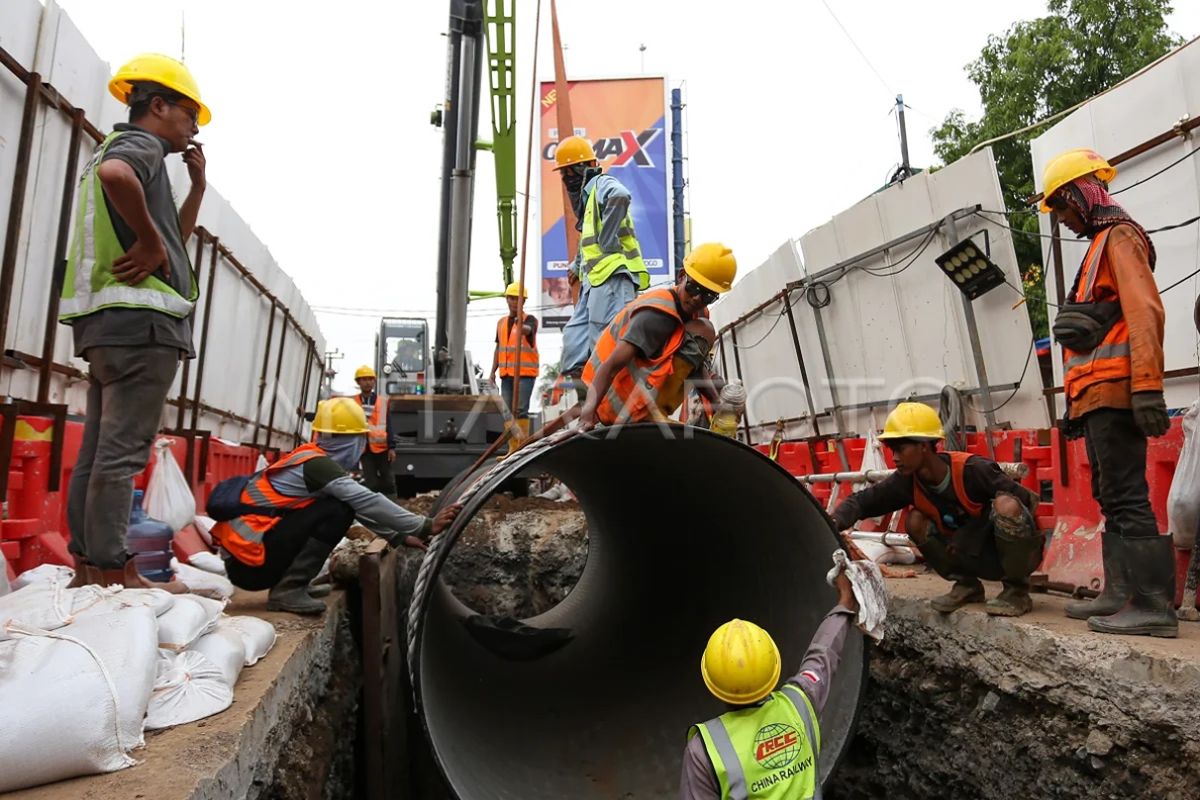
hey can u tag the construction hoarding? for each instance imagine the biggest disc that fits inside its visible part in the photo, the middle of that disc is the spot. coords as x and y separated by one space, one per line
625 120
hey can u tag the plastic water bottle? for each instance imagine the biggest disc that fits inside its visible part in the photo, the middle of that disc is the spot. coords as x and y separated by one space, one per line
149 540
730 407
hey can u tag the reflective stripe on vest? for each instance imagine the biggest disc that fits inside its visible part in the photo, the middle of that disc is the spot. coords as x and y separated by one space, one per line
923 503
507 336
1110 360
89 284
599 266
774 761
634 390
377 437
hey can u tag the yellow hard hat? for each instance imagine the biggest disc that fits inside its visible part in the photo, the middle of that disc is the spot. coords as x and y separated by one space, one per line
160 69
364 372
516 289
339 415
711 265
913 421
741 663
573 150
1066 167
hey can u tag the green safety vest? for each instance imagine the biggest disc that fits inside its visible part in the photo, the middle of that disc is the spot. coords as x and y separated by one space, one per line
768 750
89 285
599 266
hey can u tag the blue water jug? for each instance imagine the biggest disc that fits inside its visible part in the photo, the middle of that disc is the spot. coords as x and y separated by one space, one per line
149 540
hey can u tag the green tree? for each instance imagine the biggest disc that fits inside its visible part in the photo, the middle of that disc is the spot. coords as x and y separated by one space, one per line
1038 68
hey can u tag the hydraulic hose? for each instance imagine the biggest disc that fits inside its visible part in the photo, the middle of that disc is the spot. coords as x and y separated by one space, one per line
594 698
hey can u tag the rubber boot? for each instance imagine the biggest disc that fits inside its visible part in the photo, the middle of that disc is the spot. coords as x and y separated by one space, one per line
319 589
1150 565
291 593
1020 550
86 572
965 590
1116 583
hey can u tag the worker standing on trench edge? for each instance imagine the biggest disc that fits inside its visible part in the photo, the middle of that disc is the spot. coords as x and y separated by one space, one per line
767 743
1111 332
377 459
629 374
969 519
504 361
129 293
277 526
609 263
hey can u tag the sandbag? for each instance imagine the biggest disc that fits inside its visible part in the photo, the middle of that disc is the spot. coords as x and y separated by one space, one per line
189 618
46 605
209 562
5 585
188 687
168 496
226 649
1183 500
200 582
74 699
257 634
43 573
204 526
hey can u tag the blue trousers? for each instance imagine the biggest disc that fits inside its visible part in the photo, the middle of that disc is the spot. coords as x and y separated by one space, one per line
506 390
595 310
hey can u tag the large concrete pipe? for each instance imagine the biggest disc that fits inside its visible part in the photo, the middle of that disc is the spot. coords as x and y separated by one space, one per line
685 531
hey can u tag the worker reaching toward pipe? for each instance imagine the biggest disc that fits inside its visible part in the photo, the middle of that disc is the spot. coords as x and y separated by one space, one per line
631 368
277 526
768 741
969 519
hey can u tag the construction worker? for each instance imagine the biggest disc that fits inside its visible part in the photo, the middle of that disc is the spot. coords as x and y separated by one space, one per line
308 501
768 742
1111 331
376 465
128 294
635 357
969 519
609 264
504 361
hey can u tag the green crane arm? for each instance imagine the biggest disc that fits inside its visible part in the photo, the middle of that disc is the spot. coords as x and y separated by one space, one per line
500 27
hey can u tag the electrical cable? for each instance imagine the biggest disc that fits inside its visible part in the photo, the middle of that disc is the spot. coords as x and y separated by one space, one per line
856 47
1155 175
911 258
1020 382
774 325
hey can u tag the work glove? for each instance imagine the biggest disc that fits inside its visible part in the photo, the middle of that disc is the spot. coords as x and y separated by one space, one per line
1150 413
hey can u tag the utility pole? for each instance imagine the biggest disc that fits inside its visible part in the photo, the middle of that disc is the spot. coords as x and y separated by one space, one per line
904 165
642 50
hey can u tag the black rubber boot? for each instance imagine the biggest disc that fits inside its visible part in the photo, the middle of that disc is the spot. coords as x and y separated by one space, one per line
965 590
1150 566
1020 549
291 593
1116 583
1013 600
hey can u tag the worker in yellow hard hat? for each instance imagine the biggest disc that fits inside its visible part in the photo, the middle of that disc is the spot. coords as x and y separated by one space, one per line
1111 332
768 741
376 465
308 501
505 360
968 518
129 293
644 339
609 263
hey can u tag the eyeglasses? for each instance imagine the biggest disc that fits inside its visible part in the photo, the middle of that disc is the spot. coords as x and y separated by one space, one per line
707 296
189 109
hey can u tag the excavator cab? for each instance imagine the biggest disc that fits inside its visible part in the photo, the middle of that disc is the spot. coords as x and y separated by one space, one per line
403 357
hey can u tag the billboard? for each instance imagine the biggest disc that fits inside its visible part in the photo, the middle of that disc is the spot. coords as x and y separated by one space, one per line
625 120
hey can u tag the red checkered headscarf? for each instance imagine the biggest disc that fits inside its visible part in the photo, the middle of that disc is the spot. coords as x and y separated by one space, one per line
1089 197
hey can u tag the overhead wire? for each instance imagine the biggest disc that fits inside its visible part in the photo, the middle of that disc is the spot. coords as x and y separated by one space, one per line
1017 388
853 43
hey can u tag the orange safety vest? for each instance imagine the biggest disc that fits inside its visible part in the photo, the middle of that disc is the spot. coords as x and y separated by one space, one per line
634 390
507 337
377 438
242 537
1110 360
923 503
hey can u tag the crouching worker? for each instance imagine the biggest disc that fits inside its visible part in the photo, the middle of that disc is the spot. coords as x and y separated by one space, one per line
740 666
969 519
279 525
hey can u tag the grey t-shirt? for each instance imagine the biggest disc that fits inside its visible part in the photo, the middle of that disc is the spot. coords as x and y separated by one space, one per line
134 327
649 331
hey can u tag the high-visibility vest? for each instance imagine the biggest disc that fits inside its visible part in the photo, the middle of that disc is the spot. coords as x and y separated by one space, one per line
507 336
766 751
89 284
242 537
923 503
1109 361
377 438
634 390
599 266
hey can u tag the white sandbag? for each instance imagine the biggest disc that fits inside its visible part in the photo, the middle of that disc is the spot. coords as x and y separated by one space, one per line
43 573
74 699
189 687
168 496
204 526
209 562
5 586
1183 500
45 605
200 582
257 634
226 649
886 554
189 618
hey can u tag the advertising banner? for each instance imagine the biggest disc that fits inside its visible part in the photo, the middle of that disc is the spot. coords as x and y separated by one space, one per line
625 120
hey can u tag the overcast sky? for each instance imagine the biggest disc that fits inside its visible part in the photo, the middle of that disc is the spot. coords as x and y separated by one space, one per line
321 138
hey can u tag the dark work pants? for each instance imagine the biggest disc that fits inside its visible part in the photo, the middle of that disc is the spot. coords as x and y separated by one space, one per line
1116 449
326 520
377 473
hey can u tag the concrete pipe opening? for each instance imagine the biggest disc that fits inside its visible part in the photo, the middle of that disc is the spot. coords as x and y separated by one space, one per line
683 534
